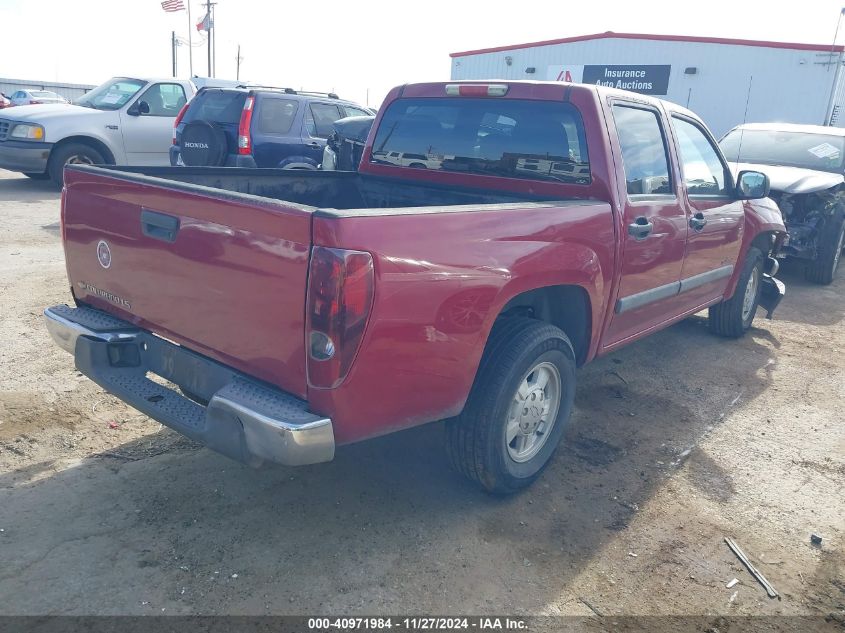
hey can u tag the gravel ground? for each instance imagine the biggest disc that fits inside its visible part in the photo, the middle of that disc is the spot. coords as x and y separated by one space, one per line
677 441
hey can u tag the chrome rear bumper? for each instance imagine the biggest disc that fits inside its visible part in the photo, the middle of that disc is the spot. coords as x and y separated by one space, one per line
243 418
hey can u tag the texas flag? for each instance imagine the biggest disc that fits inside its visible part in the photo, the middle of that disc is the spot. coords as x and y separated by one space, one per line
205 24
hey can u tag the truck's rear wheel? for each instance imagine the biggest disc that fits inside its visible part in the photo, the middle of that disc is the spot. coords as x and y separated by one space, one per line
518 407
733 317
71 154
823 269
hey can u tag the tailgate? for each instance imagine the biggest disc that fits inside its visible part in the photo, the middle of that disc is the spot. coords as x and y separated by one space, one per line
221 273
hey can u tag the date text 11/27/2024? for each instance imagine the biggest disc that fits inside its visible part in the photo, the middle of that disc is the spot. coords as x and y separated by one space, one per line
417 624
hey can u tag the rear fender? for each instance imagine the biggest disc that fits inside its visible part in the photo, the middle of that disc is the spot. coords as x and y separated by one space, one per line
576 265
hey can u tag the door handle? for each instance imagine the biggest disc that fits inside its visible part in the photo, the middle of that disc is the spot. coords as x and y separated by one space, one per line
697 221
159 226
640 228
315 145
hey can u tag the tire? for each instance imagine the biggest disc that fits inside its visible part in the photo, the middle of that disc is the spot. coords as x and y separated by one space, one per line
822 270
37 175
732 318
71 154
520 350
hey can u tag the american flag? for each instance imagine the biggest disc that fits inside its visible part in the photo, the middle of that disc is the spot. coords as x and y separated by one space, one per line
171 6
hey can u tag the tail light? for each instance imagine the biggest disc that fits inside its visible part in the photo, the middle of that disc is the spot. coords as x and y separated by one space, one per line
178 121
244 139
340 296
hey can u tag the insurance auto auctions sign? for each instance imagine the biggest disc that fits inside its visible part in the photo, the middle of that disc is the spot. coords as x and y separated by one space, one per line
647 80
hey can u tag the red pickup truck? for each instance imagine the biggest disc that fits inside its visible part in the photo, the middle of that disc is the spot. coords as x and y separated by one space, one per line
496 236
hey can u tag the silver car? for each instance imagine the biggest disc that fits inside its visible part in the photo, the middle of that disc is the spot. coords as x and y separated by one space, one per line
32 97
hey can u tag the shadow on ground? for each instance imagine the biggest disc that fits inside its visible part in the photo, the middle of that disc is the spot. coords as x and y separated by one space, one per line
18 188
808 302
386 526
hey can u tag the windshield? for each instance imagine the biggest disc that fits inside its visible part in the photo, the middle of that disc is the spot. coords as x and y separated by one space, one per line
823 152
112 95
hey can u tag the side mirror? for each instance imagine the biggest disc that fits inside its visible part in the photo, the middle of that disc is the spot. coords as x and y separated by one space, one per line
751 185
138 108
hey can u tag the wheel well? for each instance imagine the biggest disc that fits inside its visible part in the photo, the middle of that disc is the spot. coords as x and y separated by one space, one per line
567 307
90 142
764 241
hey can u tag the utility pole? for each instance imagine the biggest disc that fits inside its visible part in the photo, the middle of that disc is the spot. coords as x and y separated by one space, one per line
190 42
834 59
173 50
238 64
210 25
213 35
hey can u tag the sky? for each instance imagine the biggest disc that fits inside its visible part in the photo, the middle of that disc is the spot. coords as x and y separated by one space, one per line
359 50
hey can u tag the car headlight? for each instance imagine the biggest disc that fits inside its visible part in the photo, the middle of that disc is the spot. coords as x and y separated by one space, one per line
29 132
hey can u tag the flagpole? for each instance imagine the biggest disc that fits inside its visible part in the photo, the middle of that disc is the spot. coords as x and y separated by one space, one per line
190 45
208 32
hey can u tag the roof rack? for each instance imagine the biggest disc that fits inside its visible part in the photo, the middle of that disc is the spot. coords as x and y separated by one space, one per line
291 91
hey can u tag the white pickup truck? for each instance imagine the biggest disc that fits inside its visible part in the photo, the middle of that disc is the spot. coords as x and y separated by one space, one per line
124 121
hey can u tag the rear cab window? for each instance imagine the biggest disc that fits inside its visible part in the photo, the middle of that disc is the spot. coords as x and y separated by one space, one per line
514 138
216 106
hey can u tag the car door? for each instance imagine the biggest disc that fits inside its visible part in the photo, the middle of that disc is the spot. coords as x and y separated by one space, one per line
716 216
317 127
654 223
147 123
275 142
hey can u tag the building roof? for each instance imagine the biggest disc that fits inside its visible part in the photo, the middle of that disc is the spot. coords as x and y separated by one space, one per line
664 38
793 127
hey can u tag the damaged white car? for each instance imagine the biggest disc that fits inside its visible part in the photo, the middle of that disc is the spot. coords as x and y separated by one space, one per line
805 166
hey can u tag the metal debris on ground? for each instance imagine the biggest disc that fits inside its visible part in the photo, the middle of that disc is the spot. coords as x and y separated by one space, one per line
732 583
772 593
815 539
591 608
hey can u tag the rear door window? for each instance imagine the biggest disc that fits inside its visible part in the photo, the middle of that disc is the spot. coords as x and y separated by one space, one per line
538 140
644 155
275 116
216 106
353 111
319 119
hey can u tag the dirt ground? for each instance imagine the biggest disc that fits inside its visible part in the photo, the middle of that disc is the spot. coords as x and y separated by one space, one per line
677 441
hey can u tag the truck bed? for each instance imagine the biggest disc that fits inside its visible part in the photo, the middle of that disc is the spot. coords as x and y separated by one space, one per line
348 191
232 285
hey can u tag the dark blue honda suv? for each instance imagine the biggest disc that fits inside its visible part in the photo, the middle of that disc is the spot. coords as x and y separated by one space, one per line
257 126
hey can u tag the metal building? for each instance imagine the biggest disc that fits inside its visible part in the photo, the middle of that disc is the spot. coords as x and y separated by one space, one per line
717 78
68 91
